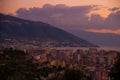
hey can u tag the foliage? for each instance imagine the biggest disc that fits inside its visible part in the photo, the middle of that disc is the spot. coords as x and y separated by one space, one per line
68 74
115 70
47 70
15 66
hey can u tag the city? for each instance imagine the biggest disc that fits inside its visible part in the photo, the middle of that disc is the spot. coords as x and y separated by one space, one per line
94 63
59 39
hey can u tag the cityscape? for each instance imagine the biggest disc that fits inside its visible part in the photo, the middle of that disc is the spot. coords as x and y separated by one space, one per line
94 63
59 40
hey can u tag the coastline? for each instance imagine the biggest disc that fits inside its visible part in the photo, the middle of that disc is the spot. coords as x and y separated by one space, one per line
107 48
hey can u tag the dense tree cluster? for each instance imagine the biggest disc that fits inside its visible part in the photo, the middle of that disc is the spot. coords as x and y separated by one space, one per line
68 74
14 65
115 70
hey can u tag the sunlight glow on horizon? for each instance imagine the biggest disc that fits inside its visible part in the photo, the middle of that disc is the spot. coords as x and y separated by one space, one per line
104 31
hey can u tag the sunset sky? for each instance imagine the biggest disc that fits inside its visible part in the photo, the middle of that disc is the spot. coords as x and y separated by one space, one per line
105 13
10 6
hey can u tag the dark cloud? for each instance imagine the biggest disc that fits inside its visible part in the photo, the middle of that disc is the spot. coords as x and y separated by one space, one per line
114 9
67 17
113 21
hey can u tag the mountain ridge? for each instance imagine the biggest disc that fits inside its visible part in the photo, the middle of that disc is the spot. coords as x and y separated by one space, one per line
19 29
102 39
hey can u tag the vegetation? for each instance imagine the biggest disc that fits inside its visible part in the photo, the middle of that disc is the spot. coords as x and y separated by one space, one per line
115 70
15 66
68 74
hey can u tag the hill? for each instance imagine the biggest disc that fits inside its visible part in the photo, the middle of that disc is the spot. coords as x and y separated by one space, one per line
101 39
14 29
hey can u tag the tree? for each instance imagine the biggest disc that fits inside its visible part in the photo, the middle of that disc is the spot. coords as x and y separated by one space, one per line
72 74
15 66
115 70
68 74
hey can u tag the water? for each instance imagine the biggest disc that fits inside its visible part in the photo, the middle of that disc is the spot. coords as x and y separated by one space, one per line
86 48
110 48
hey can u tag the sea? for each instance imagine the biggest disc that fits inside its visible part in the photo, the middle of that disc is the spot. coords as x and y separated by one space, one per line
107 48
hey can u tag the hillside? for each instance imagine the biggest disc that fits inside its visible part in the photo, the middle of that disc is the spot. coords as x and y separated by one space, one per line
16 29
102 39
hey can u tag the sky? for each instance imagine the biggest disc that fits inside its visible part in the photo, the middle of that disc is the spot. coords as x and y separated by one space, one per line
10 6
101 16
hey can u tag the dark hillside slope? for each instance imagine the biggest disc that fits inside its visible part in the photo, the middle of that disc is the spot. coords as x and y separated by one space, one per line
19 29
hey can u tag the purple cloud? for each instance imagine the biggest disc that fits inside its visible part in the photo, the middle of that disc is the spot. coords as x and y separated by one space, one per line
67 17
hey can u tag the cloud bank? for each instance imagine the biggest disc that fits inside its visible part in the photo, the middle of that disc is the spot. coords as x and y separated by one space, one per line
75 17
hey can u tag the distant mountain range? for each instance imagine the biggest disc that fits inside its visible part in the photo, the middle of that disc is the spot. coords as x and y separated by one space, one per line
102 39
17 29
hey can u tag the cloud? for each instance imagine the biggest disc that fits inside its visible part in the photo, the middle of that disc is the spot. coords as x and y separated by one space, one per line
75 17
59 15
114 9
113 21
104 31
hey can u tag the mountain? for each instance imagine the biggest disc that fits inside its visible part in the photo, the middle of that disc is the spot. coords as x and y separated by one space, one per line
13 29
102 39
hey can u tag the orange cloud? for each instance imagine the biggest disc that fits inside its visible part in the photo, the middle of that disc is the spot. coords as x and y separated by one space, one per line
100 10
104 31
